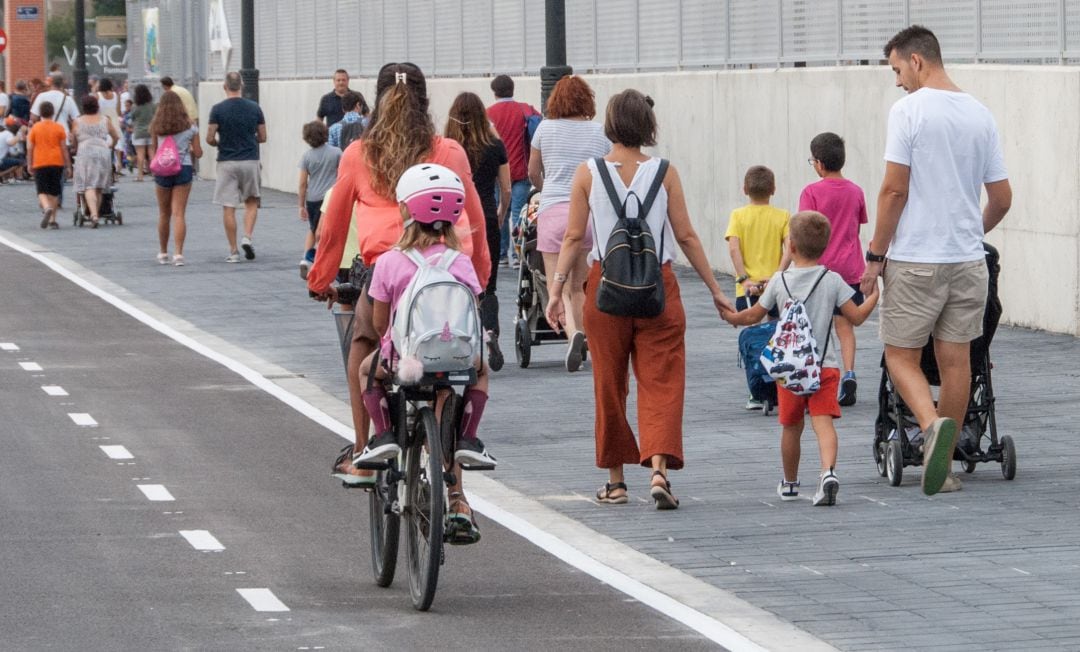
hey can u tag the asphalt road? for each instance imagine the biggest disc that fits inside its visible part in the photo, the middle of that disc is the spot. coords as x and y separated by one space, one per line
89 561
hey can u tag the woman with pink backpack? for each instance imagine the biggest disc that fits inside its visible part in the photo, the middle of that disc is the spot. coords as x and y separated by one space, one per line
175 142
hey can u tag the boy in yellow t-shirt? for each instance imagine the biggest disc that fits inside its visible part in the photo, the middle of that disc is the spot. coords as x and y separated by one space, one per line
757 236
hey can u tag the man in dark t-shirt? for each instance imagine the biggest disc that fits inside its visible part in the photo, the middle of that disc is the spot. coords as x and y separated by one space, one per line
236 128
330 108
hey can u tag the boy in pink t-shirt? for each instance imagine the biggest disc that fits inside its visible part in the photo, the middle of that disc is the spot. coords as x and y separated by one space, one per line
844 204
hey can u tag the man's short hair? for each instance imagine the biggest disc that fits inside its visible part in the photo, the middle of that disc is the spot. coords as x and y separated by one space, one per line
21 86
915 40
502 86
233 81
316 134
167 81
809 233
828 149
760 182
350 101
341 71
47 110
56 80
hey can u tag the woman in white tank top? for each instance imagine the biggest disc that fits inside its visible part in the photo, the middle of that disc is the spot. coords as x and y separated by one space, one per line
656 344
109 108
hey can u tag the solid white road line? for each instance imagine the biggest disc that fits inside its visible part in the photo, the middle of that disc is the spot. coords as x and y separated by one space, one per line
82 419
156 492
54 390
117 452
8 346
201 540
30 366
262 599
713 612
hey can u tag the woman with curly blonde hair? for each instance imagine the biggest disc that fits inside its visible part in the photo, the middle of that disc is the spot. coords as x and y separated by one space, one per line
401 134
171 120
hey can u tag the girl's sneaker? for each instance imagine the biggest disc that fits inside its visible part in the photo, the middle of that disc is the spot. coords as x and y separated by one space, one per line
828 487
788 490
473 452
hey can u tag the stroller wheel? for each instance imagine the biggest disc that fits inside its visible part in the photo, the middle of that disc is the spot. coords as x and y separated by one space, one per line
119 217
968 466
879 458
75 219
1008 458
894 463
523 343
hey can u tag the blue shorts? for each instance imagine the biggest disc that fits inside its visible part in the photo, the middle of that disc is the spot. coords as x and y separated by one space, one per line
181 178
314 212
858 297
9 162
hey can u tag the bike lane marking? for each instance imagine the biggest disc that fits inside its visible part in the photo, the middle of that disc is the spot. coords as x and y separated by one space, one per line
262 599
8 346
30 366
202 540
54 390
695 603
117 452
156 492
82 419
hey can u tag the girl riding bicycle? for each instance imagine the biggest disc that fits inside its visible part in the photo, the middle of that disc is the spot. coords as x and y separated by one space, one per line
430 198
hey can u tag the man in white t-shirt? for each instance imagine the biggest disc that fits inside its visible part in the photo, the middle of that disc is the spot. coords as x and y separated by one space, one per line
942 147
5 101
63 104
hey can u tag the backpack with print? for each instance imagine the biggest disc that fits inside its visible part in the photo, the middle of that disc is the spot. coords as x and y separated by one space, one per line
791 357
166 161
436 326
631 284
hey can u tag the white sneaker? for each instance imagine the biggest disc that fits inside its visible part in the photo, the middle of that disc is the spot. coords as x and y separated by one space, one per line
305 267
234 257
754 404
828 487
788 490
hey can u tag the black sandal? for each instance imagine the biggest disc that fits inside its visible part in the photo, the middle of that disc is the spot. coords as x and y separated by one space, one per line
603 494
461 528
661 493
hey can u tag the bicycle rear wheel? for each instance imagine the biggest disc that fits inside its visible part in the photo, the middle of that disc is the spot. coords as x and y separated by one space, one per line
385 527
426 507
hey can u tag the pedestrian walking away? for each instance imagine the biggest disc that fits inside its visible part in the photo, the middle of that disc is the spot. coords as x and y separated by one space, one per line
566 139
942 145
93 136
654 343
318 171
401 135
808 292
48 158
190 107
515 122
171 122
844 204
468 124
236 128
343 132
141 114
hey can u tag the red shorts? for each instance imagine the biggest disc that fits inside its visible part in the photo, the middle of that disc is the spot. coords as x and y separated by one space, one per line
793 407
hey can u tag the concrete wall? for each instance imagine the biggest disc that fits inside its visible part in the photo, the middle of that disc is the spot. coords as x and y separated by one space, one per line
714 125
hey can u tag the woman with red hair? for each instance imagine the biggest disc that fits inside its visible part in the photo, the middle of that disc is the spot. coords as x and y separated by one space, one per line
563 141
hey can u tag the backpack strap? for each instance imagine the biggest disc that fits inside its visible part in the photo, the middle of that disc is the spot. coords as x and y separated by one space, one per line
609 185
650 197
416 257
447 259
828 331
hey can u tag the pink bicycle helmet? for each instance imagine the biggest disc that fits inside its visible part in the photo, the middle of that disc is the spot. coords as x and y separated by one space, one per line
432 193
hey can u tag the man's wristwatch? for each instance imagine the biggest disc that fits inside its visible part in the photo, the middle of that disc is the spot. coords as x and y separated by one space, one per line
742 279
871 257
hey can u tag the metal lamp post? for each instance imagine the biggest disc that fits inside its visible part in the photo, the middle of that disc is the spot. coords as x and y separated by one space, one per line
80 77
248 73
555 37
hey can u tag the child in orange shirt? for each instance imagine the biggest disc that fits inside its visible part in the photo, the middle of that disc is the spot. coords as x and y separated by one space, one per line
48 158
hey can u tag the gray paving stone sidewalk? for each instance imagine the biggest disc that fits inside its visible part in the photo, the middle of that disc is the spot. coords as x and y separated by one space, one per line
994 567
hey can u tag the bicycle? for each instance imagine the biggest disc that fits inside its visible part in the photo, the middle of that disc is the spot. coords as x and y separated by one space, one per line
425 468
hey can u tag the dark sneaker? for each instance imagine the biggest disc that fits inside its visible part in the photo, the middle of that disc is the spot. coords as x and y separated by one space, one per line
828 487
937 458
472 451
575 353
380 448
495 355
788 490
847 389
249 250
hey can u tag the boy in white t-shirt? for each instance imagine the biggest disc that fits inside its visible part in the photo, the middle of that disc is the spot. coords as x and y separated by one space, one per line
820 291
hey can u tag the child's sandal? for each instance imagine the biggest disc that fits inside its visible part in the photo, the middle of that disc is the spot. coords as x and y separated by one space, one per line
661 492
604 494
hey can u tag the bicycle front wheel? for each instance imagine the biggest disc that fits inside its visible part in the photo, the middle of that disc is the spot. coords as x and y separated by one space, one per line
425 511
385 526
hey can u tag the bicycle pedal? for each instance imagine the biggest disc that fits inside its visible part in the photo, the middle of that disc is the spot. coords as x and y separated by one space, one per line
375 465
478 467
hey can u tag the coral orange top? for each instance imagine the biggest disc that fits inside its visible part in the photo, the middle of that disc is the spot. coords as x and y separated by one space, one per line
378 221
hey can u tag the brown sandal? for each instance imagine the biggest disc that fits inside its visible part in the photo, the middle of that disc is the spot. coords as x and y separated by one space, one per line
603 494
661 492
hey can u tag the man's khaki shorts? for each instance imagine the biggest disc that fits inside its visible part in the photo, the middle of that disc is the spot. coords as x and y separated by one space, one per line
237 181
946 300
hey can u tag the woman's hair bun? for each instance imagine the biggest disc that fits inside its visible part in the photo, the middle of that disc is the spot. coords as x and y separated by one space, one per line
649 101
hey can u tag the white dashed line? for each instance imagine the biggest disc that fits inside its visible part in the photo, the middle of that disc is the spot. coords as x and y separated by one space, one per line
201 540
8 346
117 452
54 390
156 492
1022 572
82 419
30 366
262 599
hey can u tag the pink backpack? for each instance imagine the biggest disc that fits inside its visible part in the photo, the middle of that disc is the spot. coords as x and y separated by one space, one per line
166 161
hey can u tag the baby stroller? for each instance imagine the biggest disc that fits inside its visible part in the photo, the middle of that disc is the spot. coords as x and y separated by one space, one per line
105 211
530 326
897 440
752 341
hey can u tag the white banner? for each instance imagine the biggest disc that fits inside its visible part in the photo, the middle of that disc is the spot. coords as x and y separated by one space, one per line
219 32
